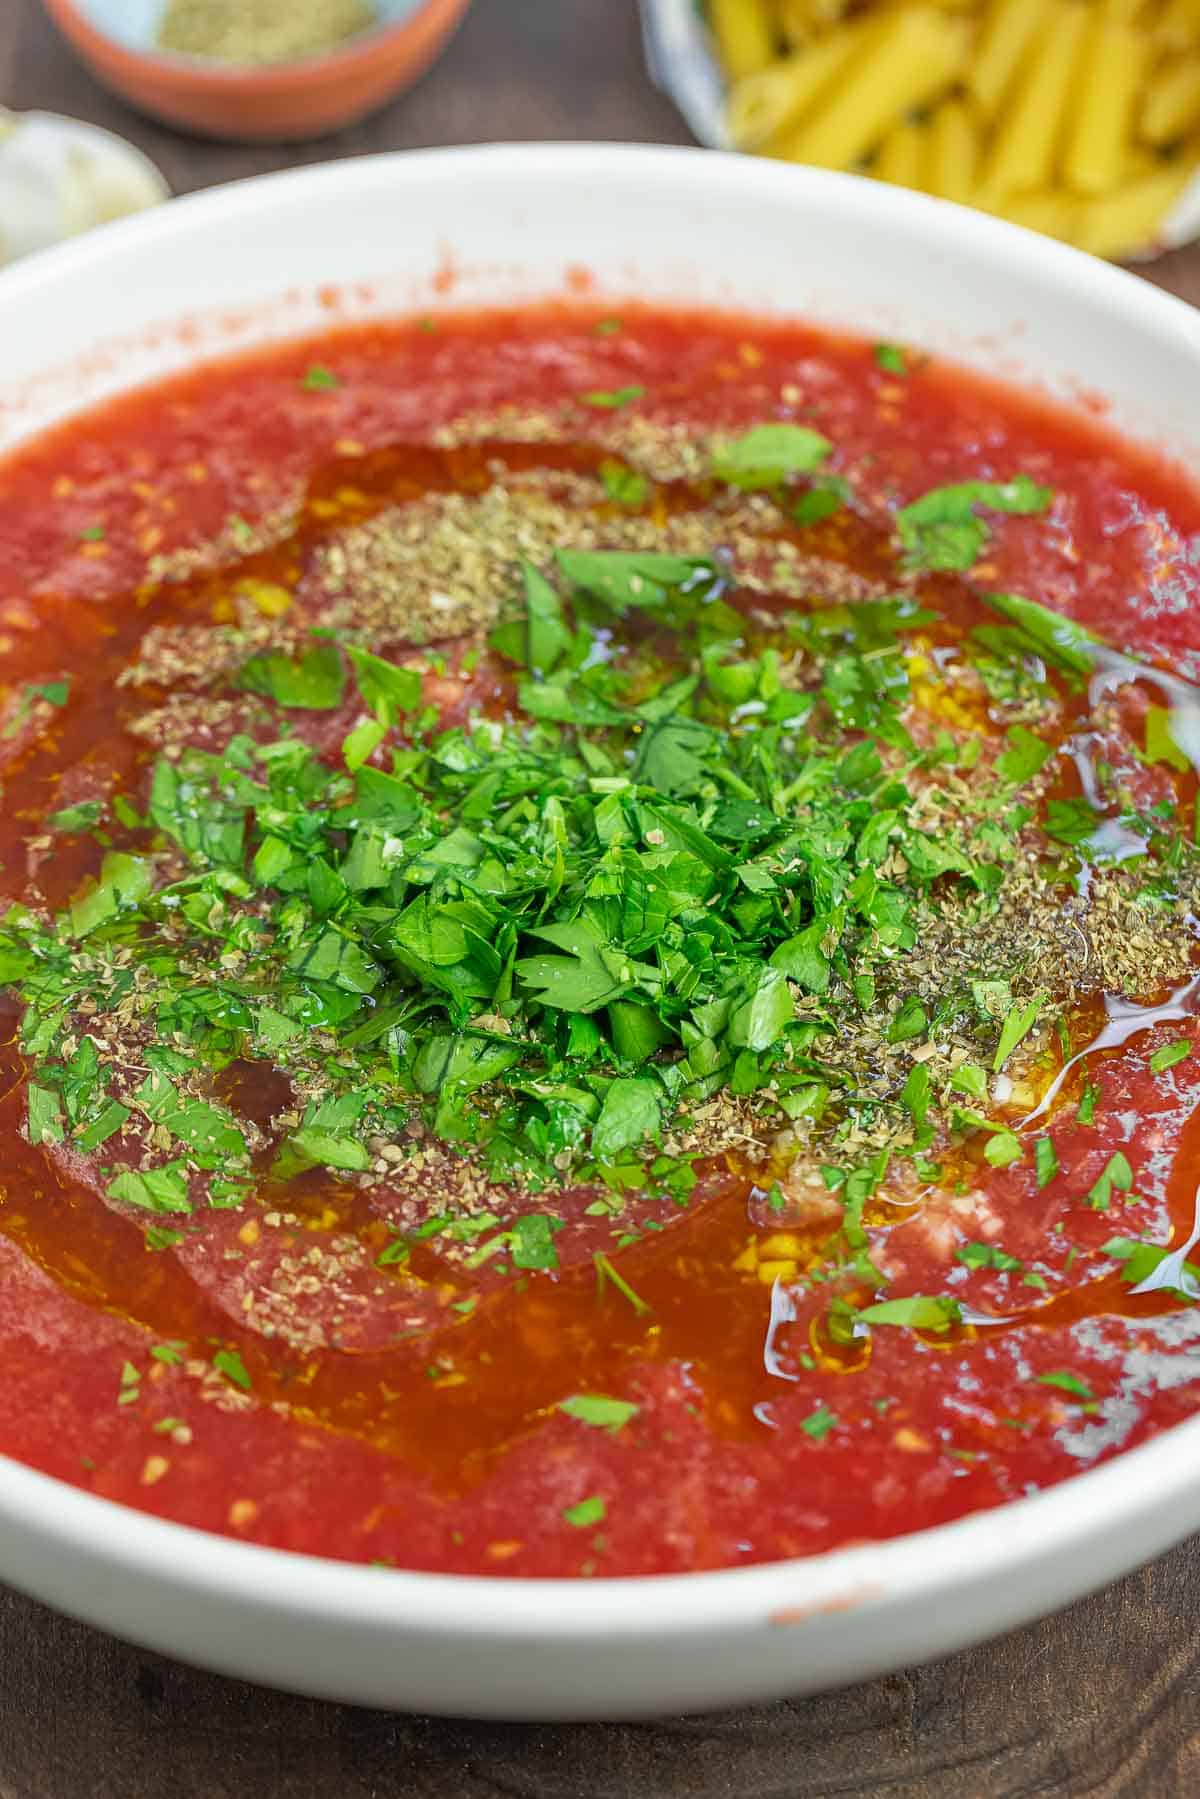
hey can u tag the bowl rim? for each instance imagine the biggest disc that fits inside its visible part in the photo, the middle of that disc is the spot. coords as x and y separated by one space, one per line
915 1568
190 74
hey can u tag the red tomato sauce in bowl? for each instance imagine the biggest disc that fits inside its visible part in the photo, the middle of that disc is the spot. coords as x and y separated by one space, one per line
600 945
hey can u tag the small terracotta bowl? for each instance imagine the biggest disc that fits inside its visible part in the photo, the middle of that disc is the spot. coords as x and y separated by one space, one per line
260 103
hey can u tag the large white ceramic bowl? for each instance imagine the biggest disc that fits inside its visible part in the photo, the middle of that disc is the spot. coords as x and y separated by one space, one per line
273 257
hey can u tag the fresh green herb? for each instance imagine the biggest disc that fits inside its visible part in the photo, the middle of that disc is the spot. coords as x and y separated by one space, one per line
229 1363
623 484
988 1255
1045 1161
388 690
606 1272
599 1411
818 1424
942 531
1069 1383
920 1312
315 683
1168 1055
531 1241
821 500
1086 1110
81 817
588 1511
1117 1176
319 379
1016 1027
612 402
1002 1149
1025 756
1141 1261
1160 744
158 1237
769 455
153 1189
55 693
1037 631
92 534
891 359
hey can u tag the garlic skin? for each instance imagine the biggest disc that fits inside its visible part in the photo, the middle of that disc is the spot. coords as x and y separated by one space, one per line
60 176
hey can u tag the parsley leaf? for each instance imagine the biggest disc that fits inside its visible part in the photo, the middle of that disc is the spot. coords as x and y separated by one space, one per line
1116 1176
593 1510
941 529
614 400
916 1313
1168 1055
599 1411
315 683
768 455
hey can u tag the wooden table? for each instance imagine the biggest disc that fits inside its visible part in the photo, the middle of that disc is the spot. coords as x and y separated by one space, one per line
1102 1700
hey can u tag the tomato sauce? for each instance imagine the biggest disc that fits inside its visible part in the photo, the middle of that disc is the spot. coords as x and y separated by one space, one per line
426 1430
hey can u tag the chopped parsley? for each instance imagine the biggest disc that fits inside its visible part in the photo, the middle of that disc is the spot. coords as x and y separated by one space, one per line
229 1363
588 1511
598 1410
891 358
818 1424
614 400
1117 1176
942 530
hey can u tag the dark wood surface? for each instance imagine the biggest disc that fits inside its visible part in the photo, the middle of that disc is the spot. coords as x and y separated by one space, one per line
1102 1700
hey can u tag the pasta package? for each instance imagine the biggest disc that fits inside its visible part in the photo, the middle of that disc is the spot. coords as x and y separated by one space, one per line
1077 118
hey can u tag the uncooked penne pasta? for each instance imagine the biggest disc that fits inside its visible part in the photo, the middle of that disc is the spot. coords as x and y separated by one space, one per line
1028 133
1178 25
1129 219
801 20
745 35
952 156
1076 118
1172 103
1051 212
1112 67
904 60
901 158
1008 32
763 105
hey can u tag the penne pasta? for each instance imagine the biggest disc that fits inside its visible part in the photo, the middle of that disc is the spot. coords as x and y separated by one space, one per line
1009 30
1026 140
1112 68
1130 218
901 158
745 35
1172 105
1052 212
1076 118
1178 25
802 20
904 60
763 105
952 156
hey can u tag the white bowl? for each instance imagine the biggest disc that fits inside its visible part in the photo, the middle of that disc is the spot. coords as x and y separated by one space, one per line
149 295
